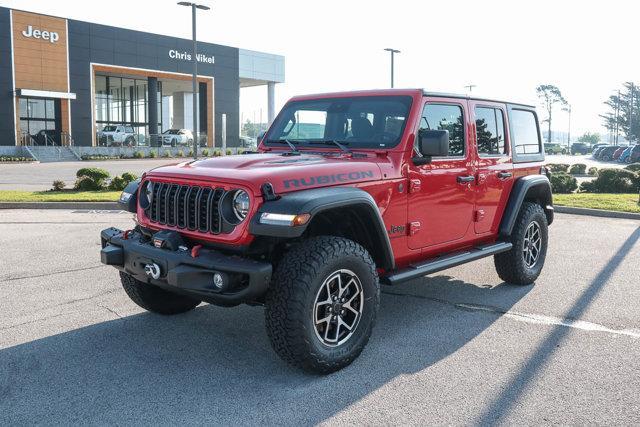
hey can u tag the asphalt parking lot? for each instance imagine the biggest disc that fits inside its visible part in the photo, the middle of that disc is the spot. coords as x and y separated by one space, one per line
459 347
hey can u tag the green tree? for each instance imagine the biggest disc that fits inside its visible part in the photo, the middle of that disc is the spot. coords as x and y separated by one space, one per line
590 138
550 95
623 112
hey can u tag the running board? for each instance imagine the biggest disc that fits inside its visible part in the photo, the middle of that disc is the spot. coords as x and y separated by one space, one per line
443 262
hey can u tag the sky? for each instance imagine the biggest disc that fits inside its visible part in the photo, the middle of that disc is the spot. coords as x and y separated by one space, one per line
505 48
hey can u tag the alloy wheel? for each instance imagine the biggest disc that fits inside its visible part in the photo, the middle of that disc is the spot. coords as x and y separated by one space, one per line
532 244
338 308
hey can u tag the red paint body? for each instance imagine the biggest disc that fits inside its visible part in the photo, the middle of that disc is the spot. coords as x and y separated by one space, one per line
440 215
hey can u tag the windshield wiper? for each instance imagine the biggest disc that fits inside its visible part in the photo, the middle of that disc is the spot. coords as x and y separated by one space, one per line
339 144
289 142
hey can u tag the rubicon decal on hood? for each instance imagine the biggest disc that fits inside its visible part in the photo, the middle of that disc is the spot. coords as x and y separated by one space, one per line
327 179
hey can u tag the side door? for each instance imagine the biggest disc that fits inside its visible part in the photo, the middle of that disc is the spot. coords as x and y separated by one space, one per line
441 192
494 174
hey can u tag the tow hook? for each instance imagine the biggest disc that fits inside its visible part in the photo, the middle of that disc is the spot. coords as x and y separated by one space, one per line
152 270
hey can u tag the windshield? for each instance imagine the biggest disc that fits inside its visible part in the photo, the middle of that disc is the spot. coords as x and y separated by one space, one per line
359 122
172 132
109 129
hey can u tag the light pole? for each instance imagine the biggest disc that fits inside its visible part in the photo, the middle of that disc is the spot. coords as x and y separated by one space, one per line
392 51
194 58
470 87
568 110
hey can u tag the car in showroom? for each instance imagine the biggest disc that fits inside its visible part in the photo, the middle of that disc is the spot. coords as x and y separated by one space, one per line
176 137
117 136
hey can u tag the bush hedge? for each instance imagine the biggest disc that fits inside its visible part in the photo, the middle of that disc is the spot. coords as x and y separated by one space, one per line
593 170
558 167
58 185
613 181
118 183
563 183
634 167
578 169
15 159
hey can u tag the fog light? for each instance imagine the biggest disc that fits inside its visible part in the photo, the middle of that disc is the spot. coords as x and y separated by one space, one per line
218 281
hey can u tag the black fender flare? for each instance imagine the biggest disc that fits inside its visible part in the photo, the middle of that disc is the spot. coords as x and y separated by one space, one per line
530 186
129 197
319 200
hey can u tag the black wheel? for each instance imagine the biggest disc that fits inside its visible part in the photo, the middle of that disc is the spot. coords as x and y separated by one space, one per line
605 158
523 263
154 299
322 304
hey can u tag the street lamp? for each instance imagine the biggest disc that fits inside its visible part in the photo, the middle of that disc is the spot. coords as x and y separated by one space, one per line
568 110
194 58
392 51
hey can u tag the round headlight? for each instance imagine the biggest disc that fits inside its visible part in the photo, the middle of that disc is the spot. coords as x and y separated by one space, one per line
241 204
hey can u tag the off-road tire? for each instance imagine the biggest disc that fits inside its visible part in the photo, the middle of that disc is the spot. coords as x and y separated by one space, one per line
510 265
154 299
291 298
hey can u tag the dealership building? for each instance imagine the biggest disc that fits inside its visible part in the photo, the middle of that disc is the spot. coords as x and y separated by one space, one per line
72 79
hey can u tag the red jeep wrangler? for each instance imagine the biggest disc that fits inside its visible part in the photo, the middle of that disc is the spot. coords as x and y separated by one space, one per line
347 190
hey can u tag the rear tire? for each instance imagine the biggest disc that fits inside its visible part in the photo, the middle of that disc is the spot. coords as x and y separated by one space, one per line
154 299
322 304
523 263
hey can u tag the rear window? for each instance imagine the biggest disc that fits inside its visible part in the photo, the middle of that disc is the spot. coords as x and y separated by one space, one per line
524 129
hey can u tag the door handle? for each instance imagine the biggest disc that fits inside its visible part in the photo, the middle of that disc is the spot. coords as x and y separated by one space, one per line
504 175
465 179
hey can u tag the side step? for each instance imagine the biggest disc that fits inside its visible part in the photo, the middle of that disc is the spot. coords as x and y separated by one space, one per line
443 262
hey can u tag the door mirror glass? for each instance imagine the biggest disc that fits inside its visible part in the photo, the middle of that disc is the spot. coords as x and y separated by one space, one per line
433 143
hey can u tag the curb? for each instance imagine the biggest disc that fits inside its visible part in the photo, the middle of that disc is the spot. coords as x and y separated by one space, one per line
595 212
107 206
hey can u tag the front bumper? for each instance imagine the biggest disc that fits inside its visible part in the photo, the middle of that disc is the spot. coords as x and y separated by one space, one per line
245 280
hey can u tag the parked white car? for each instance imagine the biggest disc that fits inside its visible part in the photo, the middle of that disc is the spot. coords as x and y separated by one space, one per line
117 135
175 137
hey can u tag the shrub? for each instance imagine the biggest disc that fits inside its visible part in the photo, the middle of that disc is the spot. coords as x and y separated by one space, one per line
634 167
153 154
91 179
99 157
205 153
179 153
117 184
229 151
15 159
128 177
138 155
93 173
558 167
190 153
593 170
563 183
613 181
84 183
58 185
165 154
217 153
578 169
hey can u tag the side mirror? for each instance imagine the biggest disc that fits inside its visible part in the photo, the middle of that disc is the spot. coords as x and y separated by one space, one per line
260 136
432 143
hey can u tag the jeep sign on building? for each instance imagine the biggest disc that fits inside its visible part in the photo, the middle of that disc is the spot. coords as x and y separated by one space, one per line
71 79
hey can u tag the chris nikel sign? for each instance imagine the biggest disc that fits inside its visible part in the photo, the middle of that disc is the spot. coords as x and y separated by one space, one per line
186 56
35 33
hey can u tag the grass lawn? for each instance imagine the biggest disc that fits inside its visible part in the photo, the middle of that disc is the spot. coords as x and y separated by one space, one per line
612 202
59 196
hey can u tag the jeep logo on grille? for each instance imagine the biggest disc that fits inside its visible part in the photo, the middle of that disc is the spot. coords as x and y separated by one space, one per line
327 179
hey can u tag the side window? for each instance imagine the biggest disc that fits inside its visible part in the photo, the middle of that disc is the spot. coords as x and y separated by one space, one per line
446 117
490 131
524 129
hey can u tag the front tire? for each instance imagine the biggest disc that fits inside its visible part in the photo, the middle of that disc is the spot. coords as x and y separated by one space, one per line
523 263
154 299
322 304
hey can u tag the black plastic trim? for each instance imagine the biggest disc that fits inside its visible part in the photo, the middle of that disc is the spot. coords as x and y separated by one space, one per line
444 262
184 274
532 185
319 200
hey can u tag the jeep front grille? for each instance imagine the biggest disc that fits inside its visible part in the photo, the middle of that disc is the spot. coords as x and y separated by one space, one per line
189 207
